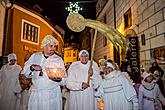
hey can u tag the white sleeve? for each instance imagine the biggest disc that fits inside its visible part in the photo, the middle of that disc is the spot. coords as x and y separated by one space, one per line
100 92
160 96
128 88
129 91
96 78
17 88
135 103
140 97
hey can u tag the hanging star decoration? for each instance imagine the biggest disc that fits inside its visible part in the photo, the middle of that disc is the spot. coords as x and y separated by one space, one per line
73 8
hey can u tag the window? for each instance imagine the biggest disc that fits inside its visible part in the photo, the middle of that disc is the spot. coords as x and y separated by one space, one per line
104 38
104 41
116 55
105 18
30 32
128 19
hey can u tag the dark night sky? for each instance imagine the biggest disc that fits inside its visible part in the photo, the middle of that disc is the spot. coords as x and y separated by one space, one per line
56 12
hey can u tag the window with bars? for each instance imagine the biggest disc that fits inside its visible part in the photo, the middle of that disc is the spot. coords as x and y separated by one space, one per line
30 32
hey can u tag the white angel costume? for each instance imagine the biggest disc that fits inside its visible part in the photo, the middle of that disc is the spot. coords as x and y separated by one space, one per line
45 93
117 92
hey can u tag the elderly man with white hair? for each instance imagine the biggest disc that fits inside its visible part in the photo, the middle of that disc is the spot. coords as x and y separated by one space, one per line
82 93
45 91
9 83
116 90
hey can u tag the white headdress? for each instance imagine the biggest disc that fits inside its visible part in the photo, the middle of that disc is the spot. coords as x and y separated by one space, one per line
108 64
156 72
83 53
12 56
146 74
47 39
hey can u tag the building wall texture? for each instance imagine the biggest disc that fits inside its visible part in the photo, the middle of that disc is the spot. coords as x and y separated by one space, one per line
2 18
148 17
13 41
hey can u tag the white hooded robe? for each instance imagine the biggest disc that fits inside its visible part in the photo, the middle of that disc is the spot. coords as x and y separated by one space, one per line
9 85
77 74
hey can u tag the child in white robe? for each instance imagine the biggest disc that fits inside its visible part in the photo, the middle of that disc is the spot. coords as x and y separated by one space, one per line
150 97
25 93
116 90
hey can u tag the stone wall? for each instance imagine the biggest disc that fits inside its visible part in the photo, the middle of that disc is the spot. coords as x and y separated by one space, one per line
148 17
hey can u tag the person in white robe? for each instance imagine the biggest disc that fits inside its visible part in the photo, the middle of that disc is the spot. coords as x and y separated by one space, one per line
150 97
116 90
25 93
82 93
9 84
45 89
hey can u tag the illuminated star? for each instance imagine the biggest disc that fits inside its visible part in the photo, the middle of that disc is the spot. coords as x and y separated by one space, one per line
73 8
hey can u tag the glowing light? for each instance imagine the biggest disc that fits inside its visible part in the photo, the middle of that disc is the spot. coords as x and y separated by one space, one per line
73 8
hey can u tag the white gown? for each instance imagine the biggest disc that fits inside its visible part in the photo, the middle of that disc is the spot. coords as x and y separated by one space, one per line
45 93
82 99
118 92
9 84
150 99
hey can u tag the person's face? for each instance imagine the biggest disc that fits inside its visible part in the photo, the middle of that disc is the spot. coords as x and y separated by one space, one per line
156 76
107 70
154 64
149 79
12 62
129 68
49 48
84 59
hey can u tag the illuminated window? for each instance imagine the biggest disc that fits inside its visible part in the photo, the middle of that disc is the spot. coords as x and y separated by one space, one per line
128 19
30 32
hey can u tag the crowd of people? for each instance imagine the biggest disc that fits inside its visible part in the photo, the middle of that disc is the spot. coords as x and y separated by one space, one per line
81 86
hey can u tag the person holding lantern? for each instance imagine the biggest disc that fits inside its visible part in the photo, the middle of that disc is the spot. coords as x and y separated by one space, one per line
46 70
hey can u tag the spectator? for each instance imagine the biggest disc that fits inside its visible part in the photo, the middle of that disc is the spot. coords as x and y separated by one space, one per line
9 84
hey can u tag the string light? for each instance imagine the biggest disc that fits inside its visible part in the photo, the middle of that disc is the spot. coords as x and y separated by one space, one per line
73 8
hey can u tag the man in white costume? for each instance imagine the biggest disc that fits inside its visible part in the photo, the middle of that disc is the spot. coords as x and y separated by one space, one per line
45 91
116 90
82 93
9 84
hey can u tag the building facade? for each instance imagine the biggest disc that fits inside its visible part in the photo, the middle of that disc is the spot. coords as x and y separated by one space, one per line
2 20
144 19
25 30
